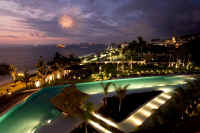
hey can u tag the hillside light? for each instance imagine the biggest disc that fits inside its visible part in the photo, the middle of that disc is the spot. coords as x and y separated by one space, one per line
37 84
58 76
46 79
50 77
20 74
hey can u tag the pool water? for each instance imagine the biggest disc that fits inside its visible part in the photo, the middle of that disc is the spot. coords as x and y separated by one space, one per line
34 112
134 83
37 110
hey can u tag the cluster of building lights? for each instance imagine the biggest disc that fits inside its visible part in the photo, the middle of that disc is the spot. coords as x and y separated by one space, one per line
20 74
58 76
48 79
37 83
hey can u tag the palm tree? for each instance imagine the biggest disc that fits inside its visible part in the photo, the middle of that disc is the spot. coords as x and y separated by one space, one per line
42 68
105 88
88 108
120 93
26 77
141 45
13 70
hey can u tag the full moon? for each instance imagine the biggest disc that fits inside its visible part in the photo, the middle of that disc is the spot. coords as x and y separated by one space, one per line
66 22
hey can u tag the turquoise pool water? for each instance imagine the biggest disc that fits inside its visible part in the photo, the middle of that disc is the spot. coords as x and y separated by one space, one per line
134 83
34 112
37 110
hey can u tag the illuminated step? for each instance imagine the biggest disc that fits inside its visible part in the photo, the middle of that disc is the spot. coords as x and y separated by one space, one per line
158 101
166 96
98 127
152 105
135 121
143 113
107 121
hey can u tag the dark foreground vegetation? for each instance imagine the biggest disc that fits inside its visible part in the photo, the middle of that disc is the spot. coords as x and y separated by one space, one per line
129 104
180 115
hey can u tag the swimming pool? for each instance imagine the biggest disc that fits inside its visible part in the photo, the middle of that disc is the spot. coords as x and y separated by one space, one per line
37 111
134 83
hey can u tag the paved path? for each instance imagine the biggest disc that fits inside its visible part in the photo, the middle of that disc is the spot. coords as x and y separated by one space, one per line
137 118
66 125
61 125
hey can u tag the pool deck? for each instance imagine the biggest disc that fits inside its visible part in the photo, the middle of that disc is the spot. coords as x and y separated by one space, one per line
61 125
66 125
137 117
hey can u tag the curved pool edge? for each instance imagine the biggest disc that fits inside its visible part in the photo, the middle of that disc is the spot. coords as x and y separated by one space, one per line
46 93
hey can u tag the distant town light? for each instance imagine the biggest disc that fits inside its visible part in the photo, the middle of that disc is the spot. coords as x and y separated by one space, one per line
58 76
50 77
20 74
37 84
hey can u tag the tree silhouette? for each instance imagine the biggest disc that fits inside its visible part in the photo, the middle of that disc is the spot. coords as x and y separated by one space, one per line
87 108
105 88
13 70
26 77
120 93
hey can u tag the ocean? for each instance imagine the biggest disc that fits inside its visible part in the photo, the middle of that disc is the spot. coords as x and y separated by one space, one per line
27 56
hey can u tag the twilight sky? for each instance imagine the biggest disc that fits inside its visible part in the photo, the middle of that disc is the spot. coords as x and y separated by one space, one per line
100 21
